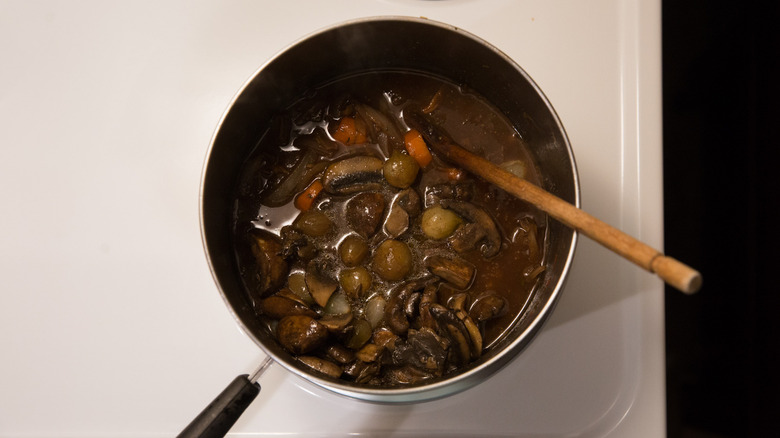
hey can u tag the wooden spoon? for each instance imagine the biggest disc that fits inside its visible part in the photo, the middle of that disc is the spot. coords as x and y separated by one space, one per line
670 270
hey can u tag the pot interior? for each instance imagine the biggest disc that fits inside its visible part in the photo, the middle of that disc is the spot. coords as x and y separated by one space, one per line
388 44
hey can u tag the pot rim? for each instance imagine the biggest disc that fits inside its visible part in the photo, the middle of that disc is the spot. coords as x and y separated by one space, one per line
461 380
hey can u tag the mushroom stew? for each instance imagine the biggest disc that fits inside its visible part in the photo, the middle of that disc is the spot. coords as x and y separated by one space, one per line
368 257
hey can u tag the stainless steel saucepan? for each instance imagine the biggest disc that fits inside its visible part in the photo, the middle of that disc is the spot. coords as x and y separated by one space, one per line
351 47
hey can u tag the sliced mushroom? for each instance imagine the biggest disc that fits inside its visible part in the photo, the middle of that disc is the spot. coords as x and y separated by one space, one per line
324 366
364 213
351 175
429 296
480 218
278 307
455 330
395 310
300 334
272 267
362 372
407 375
369 352
320 286
488 305
466 237
423 350
457 301
453 270
385 338
412 304
461 344
475 336
340 354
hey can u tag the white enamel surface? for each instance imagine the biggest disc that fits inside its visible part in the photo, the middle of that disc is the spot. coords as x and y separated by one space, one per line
110 324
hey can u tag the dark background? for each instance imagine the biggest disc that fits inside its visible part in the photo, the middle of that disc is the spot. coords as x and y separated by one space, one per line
721 122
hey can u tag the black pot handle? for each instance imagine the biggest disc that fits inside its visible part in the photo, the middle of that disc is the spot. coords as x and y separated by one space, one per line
223 412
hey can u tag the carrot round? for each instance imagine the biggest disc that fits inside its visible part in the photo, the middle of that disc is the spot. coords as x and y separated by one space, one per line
306 198
417 148
348 132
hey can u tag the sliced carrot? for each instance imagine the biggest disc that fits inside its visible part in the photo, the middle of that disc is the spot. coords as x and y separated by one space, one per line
417 148
348 132
306 198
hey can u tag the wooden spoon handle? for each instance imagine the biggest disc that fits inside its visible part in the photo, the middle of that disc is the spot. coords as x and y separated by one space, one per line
670 270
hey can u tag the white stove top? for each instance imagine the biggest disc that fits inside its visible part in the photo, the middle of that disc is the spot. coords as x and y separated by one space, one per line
110 324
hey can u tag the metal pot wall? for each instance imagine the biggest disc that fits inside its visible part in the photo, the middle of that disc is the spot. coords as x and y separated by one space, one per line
387 43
